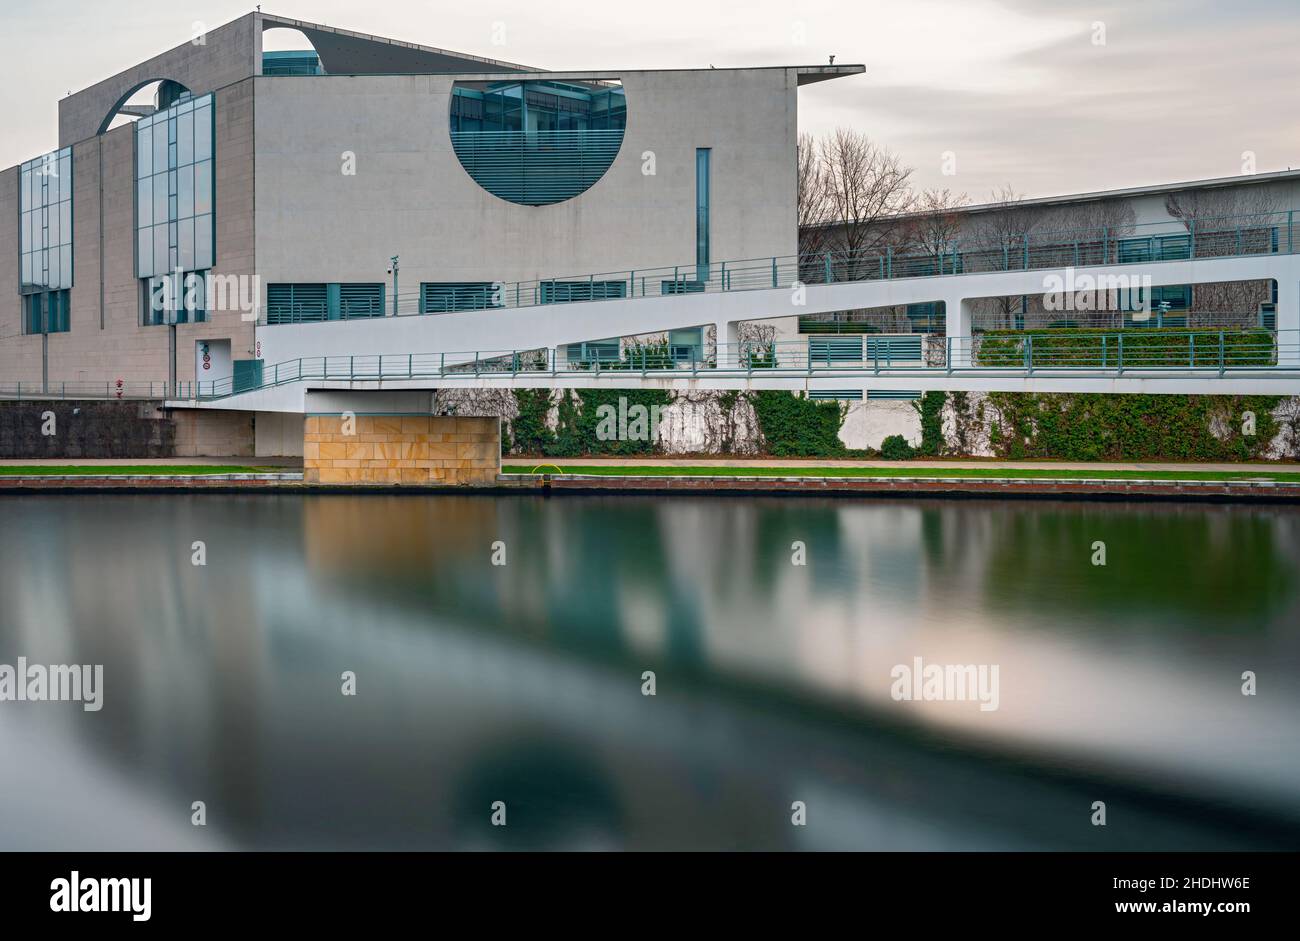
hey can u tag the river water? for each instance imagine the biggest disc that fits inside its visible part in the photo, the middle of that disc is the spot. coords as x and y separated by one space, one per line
776 633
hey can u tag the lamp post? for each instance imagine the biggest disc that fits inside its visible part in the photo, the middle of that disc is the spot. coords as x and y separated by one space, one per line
392 269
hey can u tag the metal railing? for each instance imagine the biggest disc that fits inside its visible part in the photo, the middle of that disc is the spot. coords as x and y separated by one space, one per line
144 389
1146 243
1172 352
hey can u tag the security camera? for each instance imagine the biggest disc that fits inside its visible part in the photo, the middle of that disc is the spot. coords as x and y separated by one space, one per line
390 270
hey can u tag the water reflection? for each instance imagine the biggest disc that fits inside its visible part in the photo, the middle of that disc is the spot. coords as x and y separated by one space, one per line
521 683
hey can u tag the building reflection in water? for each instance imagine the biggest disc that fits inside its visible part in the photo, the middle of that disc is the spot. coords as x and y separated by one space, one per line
522 682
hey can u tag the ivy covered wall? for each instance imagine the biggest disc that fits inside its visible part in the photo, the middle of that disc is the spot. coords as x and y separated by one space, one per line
1010 426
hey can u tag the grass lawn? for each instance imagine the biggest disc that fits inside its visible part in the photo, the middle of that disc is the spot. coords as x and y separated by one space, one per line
901 470
59 470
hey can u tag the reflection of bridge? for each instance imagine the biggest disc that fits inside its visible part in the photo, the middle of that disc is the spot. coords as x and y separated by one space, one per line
541 319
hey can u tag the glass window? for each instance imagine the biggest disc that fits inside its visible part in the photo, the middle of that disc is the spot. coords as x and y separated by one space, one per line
203 132
203 187
144 201
175 189
143 151
159 197
185 244
203 254
45 222
185 190
185 139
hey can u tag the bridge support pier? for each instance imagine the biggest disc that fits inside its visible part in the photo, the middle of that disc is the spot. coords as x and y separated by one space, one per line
391 437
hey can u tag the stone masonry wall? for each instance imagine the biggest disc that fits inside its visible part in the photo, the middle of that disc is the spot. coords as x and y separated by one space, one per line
401 449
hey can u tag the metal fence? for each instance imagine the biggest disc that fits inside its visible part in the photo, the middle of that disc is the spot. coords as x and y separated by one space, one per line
1147 243
1094 352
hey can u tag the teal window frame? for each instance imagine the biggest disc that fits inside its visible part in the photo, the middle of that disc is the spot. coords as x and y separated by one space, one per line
47 311
356 300
297 302
317 301
605 351
1175 247
188 302
568 292
703 195
686 345
441 297
292 62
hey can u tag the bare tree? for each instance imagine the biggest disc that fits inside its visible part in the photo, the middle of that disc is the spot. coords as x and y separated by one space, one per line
932 229
867 188
813 199
1225 221
997 239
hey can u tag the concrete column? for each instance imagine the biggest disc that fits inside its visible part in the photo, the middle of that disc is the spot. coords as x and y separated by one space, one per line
1288 316
728 335
957 328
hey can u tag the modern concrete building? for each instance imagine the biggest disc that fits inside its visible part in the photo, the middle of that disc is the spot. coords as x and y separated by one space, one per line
278 187
254 236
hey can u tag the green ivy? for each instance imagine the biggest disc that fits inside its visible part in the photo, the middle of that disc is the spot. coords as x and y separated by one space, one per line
795 426
931 410
1101 427
529 433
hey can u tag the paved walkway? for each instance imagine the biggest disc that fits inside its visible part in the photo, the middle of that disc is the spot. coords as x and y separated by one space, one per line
294 462
530 462
963 465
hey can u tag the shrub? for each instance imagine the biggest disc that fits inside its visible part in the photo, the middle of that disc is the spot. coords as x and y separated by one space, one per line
896 448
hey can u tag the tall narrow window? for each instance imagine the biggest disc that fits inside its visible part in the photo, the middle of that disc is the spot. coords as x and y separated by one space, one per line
45 241
702 213
175 187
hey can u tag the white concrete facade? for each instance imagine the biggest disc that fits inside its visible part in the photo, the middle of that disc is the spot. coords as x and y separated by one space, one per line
287 212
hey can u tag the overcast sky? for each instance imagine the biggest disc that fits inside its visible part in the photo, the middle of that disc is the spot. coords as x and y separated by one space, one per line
1049 96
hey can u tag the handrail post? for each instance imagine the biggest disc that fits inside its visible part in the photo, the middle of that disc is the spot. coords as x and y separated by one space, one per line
889 262
1191 350
774 277
830 274
410 365
947 353
1220 352
1120 354
1029 353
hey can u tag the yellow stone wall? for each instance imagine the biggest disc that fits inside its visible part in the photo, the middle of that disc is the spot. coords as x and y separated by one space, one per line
402 449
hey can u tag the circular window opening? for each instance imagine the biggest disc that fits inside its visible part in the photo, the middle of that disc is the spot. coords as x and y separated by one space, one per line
537 142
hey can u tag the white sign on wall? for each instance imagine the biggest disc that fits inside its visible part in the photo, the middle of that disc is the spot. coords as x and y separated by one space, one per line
213 363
